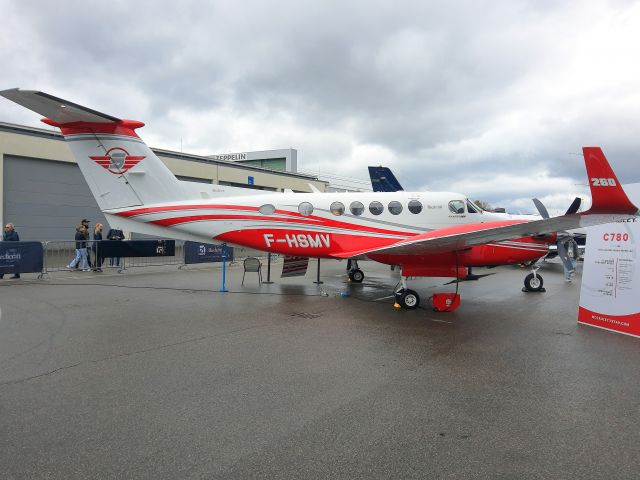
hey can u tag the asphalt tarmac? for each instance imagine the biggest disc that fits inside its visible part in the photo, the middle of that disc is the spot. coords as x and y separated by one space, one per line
154 374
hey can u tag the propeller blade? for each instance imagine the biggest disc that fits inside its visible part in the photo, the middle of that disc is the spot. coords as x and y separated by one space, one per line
542 210
575 205
567 261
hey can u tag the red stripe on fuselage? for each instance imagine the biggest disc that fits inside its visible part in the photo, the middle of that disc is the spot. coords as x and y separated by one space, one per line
149 210
169 222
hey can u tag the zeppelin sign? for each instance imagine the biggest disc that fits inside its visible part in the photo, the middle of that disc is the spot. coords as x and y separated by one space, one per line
232 157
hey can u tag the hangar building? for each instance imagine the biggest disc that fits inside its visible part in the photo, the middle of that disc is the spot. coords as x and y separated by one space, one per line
44 194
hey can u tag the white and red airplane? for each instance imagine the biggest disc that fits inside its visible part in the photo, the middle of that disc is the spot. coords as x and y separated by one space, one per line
429 234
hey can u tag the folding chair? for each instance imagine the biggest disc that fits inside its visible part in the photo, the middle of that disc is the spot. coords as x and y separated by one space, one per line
252 264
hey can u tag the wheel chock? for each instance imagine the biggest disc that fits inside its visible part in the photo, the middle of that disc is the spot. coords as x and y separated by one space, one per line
396 305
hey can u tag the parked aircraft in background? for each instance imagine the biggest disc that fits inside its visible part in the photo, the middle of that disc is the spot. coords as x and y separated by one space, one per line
383 180
429 234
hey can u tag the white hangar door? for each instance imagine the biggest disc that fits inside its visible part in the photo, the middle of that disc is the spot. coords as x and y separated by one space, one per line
46 199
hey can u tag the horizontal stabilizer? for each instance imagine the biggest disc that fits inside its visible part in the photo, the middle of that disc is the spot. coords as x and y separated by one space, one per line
56 109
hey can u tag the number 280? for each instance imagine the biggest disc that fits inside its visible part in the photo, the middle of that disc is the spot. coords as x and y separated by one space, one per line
603 182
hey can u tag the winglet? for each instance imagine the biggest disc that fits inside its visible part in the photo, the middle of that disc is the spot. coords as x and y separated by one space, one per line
607 195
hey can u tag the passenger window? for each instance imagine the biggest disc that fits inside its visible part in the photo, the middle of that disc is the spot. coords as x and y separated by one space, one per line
337 208
305 208
456 206
267 209
376 208
356 208
415 206
395 208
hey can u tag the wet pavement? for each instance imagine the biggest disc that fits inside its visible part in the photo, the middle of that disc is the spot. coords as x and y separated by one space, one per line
155 374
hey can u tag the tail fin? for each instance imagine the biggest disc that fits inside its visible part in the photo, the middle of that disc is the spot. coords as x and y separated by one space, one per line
119 167
383 180
607 195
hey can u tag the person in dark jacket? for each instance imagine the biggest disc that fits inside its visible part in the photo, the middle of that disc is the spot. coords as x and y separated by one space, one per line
115 234
97 254
81 249
10 235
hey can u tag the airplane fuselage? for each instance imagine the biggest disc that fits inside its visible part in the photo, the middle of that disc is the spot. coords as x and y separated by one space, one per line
329 225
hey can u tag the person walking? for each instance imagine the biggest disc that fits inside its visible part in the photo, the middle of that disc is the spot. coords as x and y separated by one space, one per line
81 249
86 222
97 254
10 235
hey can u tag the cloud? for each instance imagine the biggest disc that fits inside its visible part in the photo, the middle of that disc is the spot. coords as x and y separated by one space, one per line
452 96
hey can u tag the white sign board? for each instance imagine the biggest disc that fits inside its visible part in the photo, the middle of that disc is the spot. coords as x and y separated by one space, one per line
610 293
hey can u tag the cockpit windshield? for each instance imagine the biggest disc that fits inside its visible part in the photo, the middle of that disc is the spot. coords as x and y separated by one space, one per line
473 208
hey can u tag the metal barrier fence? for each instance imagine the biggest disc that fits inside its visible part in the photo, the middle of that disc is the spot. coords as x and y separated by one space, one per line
58 254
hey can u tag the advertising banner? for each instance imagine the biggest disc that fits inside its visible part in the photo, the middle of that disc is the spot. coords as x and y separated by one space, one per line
195 252
20 257
610 293
137 248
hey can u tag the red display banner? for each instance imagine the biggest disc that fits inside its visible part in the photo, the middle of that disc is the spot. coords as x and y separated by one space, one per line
627 324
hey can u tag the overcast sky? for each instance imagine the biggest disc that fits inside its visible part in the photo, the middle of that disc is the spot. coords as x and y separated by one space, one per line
492 99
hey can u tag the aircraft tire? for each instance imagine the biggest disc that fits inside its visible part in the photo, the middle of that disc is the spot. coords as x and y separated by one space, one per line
409 300
533 283
356 275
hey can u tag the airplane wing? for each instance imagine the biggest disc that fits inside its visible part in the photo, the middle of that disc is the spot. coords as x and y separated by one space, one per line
459 237
609 204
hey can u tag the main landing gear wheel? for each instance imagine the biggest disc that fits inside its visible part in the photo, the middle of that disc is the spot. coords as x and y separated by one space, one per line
356 275
408 299
533 283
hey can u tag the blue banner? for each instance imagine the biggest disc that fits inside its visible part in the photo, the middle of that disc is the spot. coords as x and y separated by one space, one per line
195 252
21 257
